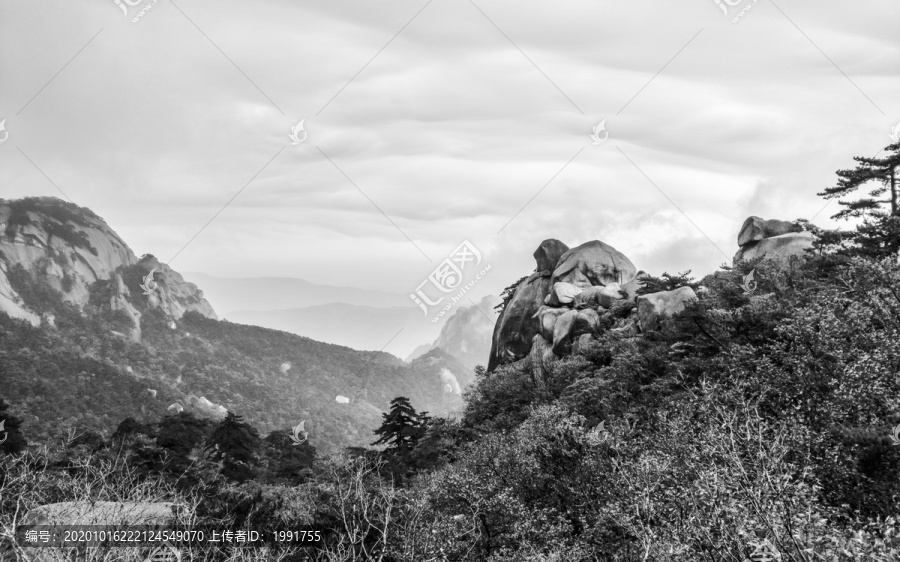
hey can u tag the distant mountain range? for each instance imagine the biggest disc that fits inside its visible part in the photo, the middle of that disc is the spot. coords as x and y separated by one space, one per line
357 318
285 293
395 329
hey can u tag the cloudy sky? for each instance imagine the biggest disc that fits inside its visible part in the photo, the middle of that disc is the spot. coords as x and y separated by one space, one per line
433 122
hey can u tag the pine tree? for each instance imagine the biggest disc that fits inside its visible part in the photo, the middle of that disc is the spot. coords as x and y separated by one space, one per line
235 443
883 170
14 440
879 234
287 460
402 426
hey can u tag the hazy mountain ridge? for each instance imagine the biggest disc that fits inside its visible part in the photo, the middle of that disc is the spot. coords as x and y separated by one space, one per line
282 293
359 327
466 336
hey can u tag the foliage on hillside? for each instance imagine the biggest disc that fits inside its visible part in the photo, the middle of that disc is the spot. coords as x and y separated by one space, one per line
81 375
56 216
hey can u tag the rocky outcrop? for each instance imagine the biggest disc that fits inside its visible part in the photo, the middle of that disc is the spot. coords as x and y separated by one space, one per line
562 293
203 408
562 308
69 248
775 240
174 295
599 297
755 228
777 248
100 513
547 255
11 303
594 263
120 301
655 307
516 328
560 302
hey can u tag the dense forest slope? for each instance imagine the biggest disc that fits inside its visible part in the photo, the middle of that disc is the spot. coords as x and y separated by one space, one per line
93 350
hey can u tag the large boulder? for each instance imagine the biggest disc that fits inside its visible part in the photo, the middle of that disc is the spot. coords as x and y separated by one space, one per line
599 296
547 254
573 323
105 513
563 331
632 287
546 319
562 294
102 513
594 263
777 248
541 357
654 307
204 408
516 327
755 228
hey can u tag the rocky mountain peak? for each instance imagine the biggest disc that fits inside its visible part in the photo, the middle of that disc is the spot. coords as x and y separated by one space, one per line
69 248
574 291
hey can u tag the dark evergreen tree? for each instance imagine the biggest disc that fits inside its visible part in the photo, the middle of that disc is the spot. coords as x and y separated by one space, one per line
667 282
179 433
879 234
883 170
235 443
402 426
15 442
130 426
286 459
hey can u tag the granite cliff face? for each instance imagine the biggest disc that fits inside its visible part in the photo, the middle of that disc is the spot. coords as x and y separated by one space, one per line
541 300
771 240
575 292
466 336
69 248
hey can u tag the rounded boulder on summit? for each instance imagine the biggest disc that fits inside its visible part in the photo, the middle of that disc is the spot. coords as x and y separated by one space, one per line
542 299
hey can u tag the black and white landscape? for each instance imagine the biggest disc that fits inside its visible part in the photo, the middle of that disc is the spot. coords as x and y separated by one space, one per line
451 281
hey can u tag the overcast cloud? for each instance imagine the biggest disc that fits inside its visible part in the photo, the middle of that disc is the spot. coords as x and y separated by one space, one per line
448 132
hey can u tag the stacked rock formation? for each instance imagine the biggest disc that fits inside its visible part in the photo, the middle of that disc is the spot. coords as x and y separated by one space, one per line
562 302
771 239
